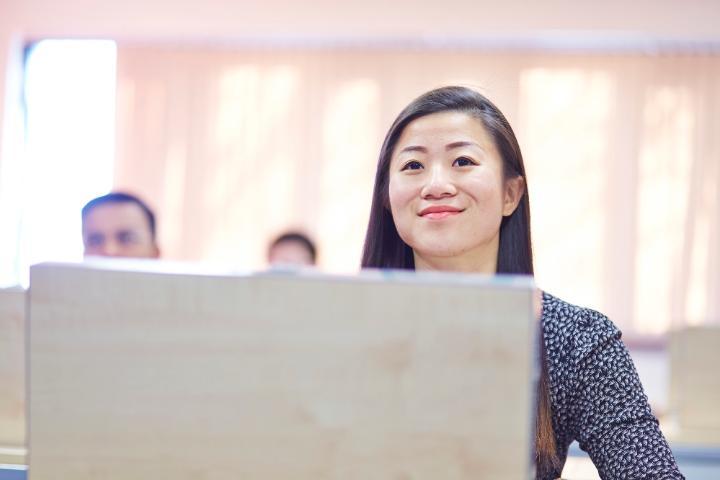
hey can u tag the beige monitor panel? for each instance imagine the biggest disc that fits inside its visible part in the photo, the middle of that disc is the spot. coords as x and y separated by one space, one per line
140 374
694 413
12 375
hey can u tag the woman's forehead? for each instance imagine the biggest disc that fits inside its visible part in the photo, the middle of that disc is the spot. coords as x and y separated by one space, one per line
444 130
451 126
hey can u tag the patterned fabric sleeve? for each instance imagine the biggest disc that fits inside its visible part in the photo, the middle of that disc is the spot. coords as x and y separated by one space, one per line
611 415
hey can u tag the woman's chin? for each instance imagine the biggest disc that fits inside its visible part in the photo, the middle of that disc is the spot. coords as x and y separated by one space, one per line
439 253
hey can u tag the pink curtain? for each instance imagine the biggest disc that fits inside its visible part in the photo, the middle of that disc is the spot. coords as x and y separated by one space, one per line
623 158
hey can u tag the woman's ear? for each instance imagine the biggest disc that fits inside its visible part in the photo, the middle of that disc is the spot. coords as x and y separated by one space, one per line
514 191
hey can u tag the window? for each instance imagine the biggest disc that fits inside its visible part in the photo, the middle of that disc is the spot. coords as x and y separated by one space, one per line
69 90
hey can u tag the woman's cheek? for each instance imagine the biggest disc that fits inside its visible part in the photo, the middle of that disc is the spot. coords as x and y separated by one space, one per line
398 190
487 192
401 194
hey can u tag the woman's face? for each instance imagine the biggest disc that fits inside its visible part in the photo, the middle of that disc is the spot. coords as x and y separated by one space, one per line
447 192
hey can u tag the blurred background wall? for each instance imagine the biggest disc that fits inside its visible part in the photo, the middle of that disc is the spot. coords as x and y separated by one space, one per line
239 119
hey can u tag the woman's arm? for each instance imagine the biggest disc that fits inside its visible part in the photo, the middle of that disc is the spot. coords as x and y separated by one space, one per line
613 420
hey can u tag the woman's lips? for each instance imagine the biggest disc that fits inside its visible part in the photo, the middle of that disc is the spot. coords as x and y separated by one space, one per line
438 212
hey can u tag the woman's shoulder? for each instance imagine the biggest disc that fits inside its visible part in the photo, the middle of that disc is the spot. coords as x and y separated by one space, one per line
596 395
572 329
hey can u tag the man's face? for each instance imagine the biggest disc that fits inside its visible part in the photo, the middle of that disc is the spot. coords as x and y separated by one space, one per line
118 230
290 252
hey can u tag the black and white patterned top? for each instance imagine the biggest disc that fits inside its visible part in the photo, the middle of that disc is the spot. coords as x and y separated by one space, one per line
597 398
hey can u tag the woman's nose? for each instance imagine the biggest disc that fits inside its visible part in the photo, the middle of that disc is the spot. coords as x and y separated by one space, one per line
439 183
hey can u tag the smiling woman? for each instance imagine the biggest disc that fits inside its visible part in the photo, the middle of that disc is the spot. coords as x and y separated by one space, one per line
447 176
450 194
477 146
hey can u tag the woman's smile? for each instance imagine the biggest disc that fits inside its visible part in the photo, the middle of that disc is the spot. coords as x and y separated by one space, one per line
440 212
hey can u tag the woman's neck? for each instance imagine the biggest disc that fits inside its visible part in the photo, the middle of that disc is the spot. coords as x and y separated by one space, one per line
471 262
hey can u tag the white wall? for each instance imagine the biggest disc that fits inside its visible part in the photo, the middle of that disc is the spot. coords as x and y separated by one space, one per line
614 23
236 18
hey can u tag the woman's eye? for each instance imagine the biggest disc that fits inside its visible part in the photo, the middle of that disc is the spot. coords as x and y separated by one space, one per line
464 162
413 165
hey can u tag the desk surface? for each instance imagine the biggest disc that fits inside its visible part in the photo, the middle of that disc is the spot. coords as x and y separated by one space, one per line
698 463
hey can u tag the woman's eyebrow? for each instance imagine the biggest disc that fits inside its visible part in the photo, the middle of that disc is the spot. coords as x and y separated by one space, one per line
463 143
449 146
414 148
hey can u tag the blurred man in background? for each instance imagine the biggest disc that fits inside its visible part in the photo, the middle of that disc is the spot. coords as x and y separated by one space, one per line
292 249
119 225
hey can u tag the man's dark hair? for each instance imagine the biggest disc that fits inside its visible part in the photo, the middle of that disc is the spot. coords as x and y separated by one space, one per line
297 237
121 197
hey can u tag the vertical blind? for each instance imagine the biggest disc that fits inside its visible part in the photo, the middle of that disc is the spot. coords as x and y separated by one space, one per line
622 154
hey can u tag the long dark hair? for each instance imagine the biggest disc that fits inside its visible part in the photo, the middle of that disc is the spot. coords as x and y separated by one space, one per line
385 249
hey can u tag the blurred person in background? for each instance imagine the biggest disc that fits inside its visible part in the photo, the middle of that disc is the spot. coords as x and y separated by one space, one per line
292 249
119 225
